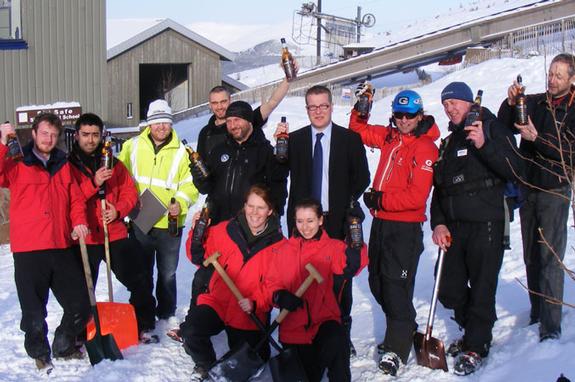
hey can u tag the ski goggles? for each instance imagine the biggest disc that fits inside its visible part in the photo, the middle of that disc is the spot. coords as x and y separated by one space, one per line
400 115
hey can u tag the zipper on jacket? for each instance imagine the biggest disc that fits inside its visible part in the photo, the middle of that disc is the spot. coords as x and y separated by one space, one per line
389 165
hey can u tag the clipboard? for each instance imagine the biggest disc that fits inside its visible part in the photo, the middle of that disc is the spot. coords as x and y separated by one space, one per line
148 211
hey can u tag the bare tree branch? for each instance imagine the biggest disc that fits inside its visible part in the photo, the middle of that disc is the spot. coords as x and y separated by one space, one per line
549 299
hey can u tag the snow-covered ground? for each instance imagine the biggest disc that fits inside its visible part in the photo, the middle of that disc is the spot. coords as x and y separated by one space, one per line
516 354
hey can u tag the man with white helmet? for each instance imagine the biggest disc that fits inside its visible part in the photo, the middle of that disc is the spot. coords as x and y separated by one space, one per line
158 161
397 201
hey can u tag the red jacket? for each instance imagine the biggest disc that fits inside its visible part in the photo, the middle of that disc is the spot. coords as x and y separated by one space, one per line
405 170
226 239
287 271
120 191
45 203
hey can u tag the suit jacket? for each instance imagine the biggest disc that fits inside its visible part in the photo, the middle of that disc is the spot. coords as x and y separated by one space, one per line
348 174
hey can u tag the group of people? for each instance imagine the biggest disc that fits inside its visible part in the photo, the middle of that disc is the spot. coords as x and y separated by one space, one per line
71 196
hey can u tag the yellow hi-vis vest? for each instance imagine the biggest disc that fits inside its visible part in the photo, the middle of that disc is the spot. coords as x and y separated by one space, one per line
166 174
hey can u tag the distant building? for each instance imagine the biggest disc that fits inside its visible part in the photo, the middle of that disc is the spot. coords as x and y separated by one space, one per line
166 60
55 51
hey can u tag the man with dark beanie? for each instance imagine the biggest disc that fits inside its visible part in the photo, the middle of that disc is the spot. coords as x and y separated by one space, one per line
467 218
245 158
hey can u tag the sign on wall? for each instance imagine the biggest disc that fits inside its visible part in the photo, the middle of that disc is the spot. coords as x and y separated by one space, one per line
68 112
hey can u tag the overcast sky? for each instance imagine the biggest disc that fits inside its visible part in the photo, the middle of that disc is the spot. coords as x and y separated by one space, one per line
240 24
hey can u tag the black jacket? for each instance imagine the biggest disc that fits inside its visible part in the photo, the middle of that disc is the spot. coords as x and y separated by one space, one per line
213 135
542 166
348 174
469 182
234 168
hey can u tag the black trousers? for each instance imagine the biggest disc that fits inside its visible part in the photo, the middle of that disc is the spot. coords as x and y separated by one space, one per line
544 273
200 283
201 323
469 280
38 272
327 351
129 266
394 251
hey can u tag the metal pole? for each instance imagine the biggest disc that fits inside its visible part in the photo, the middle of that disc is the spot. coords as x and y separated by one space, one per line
358 23
318 36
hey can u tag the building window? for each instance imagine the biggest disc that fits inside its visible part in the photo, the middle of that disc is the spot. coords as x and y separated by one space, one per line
11 36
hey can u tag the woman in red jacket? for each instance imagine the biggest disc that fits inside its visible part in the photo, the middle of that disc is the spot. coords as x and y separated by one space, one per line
313 328
397 202
246 244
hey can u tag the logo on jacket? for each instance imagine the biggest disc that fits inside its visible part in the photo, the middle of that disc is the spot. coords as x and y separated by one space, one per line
427 166
458 178
224 158
404 273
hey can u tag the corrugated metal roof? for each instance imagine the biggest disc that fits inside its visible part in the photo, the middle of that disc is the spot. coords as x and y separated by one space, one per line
159 28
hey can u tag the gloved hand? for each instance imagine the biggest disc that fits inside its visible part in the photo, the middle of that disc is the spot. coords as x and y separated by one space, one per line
356 211
352 261
372 199
284 299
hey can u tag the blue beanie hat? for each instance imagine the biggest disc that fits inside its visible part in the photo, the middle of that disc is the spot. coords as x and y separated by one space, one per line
457 90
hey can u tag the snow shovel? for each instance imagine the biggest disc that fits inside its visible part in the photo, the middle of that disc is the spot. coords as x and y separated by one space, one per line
430 351
118 319
101 346
239 364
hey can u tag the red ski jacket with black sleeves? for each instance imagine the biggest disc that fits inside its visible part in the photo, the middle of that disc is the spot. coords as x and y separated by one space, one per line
405 170
247 265
45 201
287 271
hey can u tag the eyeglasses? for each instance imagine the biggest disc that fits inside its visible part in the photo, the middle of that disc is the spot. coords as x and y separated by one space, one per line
400 115
322 107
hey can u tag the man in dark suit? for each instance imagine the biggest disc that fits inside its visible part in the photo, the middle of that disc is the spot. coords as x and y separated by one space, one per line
337 180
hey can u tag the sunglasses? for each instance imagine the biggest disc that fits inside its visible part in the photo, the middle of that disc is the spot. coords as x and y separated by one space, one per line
400 115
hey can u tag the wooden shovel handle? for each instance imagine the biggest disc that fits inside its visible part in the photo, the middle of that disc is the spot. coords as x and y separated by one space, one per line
213 259
87 271
107 253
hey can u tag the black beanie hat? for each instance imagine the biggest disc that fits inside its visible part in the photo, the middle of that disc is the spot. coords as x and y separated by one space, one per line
240 109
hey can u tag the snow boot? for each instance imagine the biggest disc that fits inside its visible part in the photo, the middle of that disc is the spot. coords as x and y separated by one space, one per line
455 348
147 337
467 363
44 364
199 374
389 363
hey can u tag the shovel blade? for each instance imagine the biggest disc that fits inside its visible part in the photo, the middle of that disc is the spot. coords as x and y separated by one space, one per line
103 347
287 367
430 353
118 320
238 365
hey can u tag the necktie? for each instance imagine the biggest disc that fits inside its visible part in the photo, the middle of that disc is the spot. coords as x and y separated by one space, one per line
317 168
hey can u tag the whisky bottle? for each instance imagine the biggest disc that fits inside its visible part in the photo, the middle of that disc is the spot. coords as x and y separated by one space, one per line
282 145
521 117
287 62
172 221
196 160
107 153
201 225
475 111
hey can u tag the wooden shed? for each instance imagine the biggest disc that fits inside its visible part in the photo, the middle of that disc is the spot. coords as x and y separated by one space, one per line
52 51
166 61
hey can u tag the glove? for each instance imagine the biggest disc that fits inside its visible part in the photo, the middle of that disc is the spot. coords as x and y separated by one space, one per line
372 199
352 262
284 299
355 210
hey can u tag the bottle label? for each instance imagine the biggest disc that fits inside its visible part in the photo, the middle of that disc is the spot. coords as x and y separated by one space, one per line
288 69
282 149
356 235
363 106
14 148
521 113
